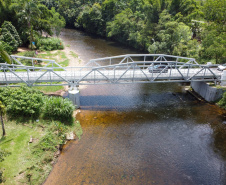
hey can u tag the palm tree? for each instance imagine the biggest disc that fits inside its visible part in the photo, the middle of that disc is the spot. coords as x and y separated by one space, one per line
2 112
4 55
28 13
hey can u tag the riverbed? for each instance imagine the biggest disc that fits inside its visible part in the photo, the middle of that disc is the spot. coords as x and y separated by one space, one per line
139 133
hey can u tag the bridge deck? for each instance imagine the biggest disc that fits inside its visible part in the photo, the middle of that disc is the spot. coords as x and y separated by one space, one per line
107 76
118 69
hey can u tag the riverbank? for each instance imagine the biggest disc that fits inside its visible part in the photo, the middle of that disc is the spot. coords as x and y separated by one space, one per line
33 148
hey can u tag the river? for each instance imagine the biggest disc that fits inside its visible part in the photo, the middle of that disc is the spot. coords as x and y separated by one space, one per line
140 133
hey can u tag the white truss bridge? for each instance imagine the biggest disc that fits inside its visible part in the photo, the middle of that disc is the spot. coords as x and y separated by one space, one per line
131 68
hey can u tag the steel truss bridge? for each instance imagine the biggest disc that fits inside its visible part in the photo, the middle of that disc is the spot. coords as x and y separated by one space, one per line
131 68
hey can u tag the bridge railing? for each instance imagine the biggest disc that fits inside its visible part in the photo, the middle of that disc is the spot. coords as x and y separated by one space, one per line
138 57
135 71
122 72
34 62
33 76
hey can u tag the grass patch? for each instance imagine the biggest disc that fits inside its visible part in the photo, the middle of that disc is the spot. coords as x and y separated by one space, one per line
65 63
47 89
73 54
30 163
78 130
57 55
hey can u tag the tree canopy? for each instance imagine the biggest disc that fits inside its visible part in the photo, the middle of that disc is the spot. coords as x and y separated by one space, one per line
192 28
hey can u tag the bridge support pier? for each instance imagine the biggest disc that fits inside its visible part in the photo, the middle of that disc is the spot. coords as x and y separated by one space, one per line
223 78
210 94
74 96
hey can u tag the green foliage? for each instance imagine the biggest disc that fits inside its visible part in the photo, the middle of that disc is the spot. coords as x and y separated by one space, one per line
10 36
49 44
91 19
172 37
31 163
191 28
32 18
222 102
1 177
215 11
48 142
22 102
3 53
161 26
57 108
57 21
8 25
31 103
3 154
214 46
78 130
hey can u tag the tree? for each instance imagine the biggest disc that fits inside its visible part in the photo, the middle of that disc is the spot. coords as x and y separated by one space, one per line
121 26
9 35
69 9
4 10
2 112
214 45
57 22
91 19
28 13
171 36
215 11
214 35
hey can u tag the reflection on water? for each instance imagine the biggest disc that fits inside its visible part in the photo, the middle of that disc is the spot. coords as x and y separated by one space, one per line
143 134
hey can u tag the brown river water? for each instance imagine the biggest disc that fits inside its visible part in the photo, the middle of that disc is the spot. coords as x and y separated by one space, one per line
140 134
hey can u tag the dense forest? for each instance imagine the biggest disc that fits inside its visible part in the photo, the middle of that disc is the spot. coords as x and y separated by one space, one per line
192 28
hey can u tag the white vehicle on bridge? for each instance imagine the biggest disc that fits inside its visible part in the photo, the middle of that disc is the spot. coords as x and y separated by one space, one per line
158 68
221 68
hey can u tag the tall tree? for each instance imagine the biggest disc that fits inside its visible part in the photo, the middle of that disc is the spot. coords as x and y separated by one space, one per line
57 22
28 13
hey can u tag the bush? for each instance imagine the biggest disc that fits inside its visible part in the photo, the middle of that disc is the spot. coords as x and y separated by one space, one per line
57 108
28 102
48 142
49 44
22 102
222 102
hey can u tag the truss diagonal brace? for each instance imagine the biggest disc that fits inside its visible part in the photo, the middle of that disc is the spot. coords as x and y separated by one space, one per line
181 74
18 76
104 75
143 73
123 74
195 74
61 77
84 76
39 77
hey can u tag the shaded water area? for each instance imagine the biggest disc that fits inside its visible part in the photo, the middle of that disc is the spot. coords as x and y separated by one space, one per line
140 133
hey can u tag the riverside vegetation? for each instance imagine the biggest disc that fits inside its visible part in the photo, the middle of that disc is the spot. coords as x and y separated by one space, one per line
191 28
32 116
